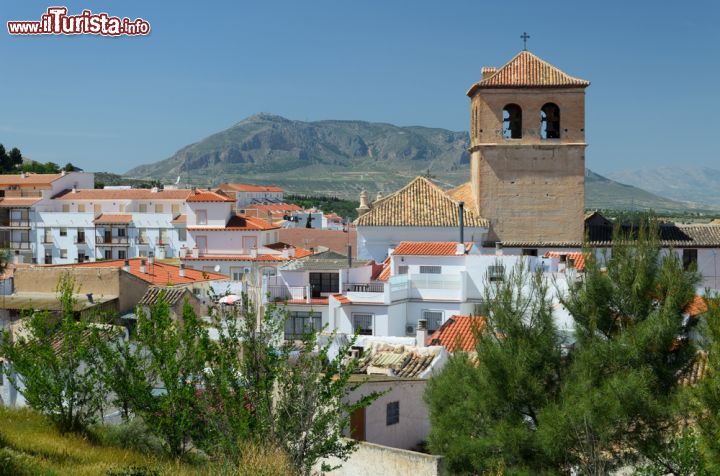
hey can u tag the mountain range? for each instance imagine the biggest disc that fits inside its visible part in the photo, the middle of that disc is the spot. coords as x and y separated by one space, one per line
341 158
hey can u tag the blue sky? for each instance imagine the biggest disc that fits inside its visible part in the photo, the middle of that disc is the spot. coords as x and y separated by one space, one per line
114 103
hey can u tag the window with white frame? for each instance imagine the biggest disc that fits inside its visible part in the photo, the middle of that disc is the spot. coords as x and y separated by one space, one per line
81 207
302 322
201 216
142 208
434 320
63 231
496 273
182 234
159 208
403 269
63 253
363 324
430 269
236 273
175 207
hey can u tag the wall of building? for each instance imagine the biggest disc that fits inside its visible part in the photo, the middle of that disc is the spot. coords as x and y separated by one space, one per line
218 213
372 460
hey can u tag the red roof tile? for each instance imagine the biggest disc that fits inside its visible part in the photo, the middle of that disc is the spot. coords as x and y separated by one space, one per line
577 256
342 299
274 207
28 179
526 70
179 219
9 202
457 333
208 196
334 240
429 248
240 223
248 187
156 273
110 218
384 273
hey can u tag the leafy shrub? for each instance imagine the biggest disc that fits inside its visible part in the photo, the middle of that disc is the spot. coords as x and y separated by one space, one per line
133 435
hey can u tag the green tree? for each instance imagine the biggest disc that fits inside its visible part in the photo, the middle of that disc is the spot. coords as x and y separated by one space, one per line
54 363
485 415
15 158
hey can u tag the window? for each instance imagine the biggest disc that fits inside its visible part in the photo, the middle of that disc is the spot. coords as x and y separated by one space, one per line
121 232
550 121
403 269
249 242
48 256
201 216
66 207
236 274
392 413
143 208
301 322
175 209
430 269
690 258
81 208
97 209
143 235
529 252
122 254
182 234
122 207
434 320
63 231
324 283
268 271
496 273
81 236
63 253
158 208
163 236
512 122
80 257
362 323
48 236
108 254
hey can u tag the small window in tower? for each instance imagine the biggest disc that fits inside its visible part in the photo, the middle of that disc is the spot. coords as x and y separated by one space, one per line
512 122
550 121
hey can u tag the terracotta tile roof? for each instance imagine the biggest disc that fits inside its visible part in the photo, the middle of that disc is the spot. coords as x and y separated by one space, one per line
299 252
335 240
385 270
240 223
715 222
396 360
419 203
208 196
342 299
111 218
9 202
457 333
157 273
247 187
463 193
429 248
28 179
577 256
274 207
321 301
170 295
179 219
123 194
526 70
259 257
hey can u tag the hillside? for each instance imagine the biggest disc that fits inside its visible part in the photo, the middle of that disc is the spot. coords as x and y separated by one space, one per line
698 184
340 158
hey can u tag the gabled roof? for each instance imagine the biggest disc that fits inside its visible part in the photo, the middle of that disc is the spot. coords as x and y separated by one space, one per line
28 179
380 358
526 70
578 257
457 333
420 203
208 196
156 273
19 202
463 193
239 222
248 187
171 296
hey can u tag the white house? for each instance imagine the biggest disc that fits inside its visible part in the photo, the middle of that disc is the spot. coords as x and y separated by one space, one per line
246 194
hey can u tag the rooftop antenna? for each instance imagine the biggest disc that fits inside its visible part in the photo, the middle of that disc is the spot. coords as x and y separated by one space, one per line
525 37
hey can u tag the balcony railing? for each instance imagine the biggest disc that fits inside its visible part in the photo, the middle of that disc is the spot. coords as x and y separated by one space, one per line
15 245
111 240
280 292
15 222
364 287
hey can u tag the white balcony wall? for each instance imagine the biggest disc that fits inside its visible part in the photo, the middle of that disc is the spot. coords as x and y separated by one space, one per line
229 242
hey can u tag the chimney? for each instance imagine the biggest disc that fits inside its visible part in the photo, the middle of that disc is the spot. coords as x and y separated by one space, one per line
126 265
143 267
62 173
379 196
461 221
460 249
151 257
291 251
181 271
363 208
154 190
498 249
422 333
74 189
487 71
286 253
22 175
18 258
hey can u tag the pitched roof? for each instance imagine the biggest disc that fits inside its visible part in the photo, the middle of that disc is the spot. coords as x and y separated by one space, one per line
335 240
10 202
179 219
526 70
429 248
578 257
156 273
122 194
419 203
170 295
28 179
208 196
397 360
248 187
320 263
274 207
113 218
457 333
239 222
671 235
385 270
463 193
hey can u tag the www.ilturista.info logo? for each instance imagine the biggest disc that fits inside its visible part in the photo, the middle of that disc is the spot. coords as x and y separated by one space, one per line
57 22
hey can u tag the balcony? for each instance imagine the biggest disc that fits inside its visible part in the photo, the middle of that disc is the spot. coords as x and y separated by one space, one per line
16 245
15 222
105 240
364 287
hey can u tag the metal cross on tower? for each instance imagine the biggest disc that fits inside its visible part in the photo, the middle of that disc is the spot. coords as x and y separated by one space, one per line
525 37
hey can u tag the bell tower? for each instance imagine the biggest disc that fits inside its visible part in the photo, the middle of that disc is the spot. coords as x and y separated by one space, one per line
527 152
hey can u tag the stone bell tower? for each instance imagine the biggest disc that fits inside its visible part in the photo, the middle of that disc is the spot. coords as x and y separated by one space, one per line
527 149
